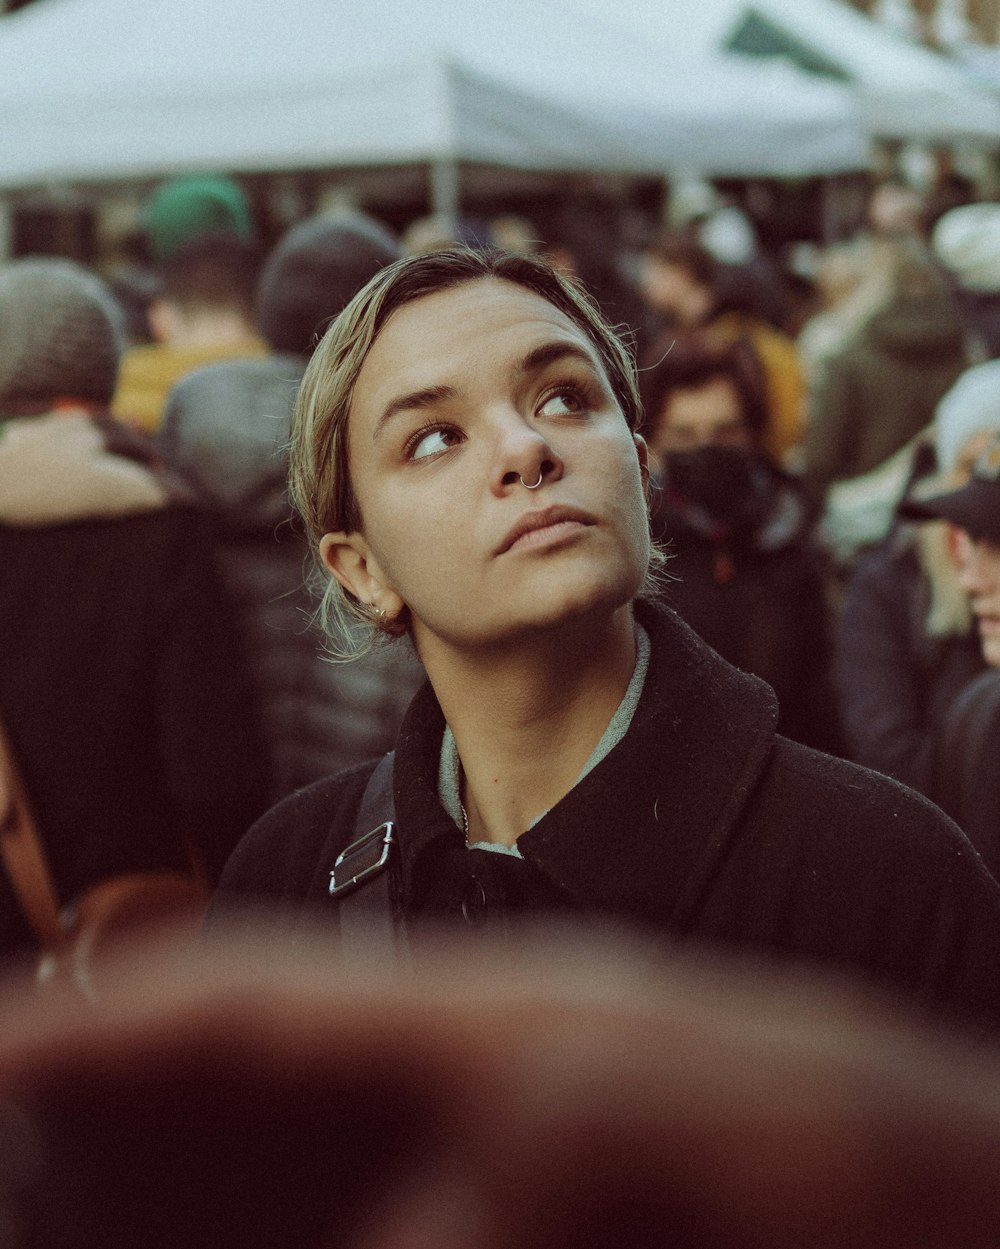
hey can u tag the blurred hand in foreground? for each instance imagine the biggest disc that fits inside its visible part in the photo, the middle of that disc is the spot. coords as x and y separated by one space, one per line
565 1095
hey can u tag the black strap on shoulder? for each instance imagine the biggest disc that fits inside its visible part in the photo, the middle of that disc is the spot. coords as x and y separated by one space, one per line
377 805
364 877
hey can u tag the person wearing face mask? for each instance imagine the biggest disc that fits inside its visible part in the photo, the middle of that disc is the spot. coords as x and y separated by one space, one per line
745 571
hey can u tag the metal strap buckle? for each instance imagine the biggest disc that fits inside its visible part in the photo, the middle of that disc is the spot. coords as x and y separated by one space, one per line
362 858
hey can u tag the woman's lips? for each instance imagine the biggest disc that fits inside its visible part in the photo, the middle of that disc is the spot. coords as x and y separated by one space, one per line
536 528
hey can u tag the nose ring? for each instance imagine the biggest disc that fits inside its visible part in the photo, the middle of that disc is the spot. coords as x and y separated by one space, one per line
537 483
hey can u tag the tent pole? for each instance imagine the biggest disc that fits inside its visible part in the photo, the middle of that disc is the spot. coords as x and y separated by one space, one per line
444 191
6 228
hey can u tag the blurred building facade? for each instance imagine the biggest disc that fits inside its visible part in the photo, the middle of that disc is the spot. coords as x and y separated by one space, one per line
939 22
934 21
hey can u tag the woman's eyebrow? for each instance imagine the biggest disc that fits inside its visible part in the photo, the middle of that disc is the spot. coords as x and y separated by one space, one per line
550 353
429 397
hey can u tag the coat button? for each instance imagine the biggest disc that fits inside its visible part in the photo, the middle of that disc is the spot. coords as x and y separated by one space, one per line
474 905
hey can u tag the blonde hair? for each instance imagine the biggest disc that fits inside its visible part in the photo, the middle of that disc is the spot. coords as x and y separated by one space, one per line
319 472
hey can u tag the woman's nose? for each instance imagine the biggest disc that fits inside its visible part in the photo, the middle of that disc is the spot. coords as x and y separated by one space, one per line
524 458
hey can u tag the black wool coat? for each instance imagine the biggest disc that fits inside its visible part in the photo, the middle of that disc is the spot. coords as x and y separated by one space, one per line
702 825
126 699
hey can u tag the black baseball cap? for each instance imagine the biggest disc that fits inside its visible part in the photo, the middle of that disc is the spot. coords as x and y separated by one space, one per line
975 507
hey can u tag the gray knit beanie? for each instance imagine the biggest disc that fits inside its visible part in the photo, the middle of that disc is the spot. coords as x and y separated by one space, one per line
315 269
61 334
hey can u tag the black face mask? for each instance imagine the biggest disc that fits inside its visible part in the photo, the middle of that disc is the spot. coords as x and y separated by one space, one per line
720 482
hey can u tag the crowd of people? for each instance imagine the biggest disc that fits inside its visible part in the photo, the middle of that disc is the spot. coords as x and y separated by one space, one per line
669 612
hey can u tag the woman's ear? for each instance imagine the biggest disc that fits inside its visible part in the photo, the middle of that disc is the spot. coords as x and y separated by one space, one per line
642 451
348 558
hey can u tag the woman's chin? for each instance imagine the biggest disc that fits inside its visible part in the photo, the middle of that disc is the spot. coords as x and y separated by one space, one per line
572 604
527 617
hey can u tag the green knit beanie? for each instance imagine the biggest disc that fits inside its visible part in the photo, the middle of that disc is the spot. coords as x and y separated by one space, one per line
184 208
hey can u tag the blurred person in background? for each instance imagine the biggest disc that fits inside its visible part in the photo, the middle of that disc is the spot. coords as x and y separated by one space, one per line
203 312
881 391
745 570
966 771
966 243
225 431
856 279
581 244
572 239
437 231
682 282
512 233
904 645
466 457
176 212
124 690
706 214
851 287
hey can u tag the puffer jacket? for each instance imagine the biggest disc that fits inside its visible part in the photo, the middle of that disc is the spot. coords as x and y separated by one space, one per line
226 432
896 678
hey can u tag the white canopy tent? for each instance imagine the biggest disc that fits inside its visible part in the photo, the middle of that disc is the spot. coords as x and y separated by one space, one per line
97 90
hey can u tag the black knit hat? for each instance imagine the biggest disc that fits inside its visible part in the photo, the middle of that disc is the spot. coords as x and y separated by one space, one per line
313 272
60 334
975 507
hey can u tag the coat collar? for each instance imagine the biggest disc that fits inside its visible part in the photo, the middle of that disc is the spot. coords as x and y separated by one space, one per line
645 829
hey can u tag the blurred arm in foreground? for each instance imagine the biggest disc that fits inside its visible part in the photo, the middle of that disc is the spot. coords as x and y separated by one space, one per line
573 1096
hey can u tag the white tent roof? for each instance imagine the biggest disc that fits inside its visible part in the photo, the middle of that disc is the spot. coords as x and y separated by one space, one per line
96 89
905 90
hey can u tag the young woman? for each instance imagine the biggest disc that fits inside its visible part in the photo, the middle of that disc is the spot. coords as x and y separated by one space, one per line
466 457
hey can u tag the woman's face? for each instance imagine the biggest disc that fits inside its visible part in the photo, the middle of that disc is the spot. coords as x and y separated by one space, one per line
464 393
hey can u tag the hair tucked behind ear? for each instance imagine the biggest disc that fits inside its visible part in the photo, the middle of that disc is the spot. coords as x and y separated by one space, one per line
319 469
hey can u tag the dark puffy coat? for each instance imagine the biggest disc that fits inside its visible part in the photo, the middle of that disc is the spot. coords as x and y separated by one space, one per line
895 683
702 825
226 431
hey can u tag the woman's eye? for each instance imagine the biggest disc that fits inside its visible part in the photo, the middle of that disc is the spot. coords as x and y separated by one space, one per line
562 403
431 442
